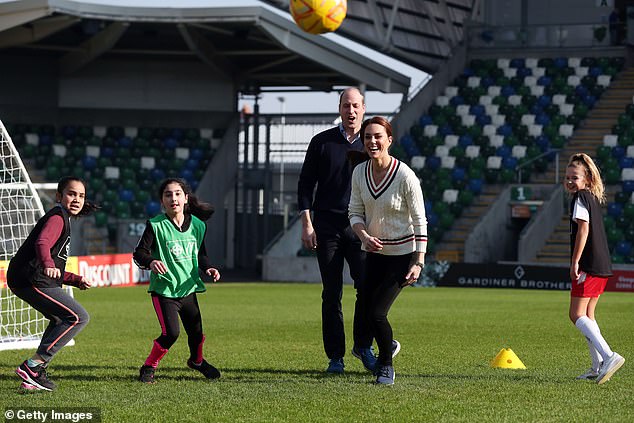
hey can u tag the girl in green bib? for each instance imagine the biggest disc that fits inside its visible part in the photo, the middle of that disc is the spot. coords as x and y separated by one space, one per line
172 247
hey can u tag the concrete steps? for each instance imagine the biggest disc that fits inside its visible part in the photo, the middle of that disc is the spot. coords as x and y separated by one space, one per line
598 123
451 247
96 240
586 139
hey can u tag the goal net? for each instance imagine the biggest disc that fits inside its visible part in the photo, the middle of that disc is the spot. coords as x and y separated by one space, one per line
21 326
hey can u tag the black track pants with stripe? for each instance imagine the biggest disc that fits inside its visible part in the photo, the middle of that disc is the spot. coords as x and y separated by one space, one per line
67 317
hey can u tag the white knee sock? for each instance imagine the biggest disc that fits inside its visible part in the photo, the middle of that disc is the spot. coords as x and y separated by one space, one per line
595 356
590 330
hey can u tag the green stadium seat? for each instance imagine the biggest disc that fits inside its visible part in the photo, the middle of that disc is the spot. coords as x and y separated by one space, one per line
137 209
446 220
53 173
101 219
603 153
130 184
142 195
28 151
456 210
491 176
465 198
192 134
104 162
96 185
110 195
78 171
85 132
94 141
612 174
122 210
507 176
625 140
628 211
127 173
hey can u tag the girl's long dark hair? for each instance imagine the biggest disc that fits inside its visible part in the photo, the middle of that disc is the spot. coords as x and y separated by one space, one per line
194 206
89 207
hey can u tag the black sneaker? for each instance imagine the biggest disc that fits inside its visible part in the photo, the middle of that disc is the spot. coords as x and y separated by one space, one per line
35 376
146 374
209 371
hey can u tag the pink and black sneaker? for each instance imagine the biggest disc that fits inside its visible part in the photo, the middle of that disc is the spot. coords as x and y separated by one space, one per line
35 376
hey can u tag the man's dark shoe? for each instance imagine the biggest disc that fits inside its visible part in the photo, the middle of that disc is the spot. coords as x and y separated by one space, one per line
335 366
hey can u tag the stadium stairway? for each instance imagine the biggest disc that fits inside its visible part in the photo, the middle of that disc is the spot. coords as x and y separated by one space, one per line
557 248
598 123
495 107
96 240
587 139
451 247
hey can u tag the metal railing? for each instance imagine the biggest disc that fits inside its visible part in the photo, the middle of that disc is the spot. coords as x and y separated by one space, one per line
597 34
518 168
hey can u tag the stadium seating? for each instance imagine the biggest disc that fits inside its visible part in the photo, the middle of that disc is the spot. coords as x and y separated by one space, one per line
615 158
499 114
122 165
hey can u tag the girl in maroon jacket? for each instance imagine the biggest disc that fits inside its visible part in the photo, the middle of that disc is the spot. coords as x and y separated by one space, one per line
36 274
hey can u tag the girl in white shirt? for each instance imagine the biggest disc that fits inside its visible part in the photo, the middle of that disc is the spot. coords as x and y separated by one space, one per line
590 264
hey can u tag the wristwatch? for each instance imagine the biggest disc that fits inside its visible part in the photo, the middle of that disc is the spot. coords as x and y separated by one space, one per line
419 264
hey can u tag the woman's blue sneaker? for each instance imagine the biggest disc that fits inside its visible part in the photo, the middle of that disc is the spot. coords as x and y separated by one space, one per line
385 375
366 356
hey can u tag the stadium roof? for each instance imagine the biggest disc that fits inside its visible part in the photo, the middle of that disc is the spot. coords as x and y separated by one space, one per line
249 41
422 33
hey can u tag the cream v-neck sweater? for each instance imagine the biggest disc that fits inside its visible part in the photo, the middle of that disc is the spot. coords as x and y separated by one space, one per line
392 210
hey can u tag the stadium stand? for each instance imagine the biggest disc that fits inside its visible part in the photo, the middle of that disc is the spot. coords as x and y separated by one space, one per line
122 165
498 116
606 133
499 120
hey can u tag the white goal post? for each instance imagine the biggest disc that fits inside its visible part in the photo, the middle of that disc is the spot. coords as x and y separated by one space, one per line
21 327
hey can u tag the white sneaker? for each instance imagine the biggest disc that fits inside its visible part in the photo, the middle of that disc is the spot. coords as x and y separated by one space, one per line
396 347
590 374
609 367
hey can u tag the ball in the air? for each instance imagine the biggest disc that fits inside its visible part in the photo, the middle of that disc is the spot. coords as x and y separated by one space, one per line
318 16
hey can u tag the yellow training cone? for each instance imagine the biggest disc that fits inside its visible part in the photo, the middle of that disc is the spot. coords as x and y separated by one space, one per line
506 359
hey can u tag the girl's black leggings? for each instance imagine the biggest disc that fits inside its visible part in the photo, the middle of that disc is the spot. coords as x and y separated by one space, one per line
168 310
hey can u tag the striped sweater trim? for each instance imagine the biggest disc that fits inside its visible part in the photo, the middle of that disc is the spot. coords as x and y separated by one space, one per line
404 240
377 190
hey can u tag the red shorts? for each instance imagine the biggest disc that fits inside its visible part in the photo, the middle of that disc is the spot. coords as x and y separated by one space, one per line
592 286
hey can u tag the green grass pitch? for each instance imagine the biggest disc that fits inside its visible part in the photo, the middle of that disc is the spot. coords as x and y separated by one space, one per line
266 340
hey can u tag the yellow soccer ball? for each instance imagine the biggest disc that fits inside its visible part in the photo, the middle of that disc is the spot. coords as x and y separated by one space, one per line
319 16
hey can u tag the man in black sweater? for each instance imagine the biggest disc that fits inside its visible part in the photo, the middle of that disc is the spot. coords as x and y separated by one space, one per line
326 166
